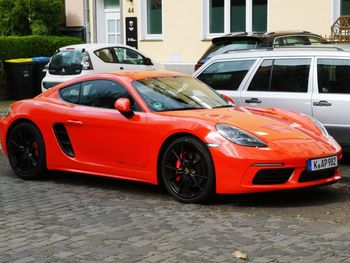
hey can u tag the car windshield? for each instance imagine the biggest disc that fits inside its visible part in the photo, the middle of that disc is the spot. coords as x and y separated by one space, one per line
178 93
68 62
232 44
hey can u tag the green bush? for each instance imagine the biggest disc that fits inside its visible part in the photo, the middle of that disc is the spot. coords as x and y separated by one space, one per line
30 17
33 46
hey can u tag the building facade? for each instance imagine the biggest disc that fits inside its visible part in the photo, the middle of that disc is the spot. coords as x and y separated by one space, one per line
178 32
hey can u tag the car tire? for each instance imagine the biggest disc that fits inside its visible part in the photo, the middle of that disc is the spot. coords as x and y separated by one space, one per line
187 170
26 151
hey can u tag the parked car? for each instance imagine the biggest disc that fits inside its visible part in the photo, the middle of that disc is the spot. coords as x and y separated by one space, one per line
244 40
161 127
79 60
314 81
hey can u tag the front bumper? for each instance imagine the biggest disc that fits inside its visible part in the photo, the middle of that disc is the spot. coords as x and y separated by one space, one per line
237 168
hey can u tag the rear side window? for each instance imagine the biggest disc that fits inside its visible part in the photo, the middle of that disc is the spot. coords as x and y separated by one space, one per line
67 62
226 75
71 93
333 76
282 75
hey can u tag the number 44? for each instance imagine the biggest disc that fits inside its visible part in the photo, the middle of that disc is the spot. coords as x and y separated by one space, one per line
131 10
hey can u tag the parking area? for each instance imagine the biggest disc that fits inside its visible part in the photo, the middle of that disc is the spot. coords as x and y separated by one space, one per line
78 218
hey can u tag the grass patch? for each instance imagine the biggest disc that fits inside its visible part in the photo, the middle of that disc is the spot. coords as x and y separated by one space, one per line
4 104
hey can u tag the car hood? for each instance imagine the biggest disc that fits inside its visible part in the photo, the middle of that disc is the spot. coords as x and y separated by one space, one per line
270 125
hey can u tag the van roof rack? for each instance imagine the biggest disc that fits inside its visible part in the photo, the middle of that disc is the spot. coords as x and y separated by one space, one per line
298 47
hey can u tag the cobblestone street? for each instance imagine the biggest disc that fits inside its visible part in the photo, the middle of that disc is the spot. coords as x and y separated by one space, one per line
78 218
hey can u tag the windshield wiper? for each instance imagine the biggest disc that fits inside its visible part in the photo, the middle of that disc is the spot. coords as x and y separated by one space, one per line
223 106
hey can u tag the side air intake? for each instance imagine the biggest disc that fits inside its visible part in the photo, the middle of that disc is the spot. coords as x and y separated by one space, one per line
63 139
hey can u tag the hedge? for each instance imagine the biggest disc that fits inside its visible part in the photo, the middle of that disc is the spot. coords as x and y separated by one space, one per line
33 46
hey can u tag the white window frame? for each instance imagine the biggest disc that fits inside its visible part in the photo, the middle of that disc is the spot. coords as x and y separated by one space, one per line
206 35
144 22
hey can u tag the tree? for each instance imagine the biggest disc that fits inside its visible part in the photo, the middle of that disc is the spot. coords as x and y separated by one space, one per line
26 17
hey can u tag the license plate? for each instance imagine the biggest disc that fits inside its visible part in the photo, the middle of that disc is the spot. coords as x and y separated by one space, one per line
322 163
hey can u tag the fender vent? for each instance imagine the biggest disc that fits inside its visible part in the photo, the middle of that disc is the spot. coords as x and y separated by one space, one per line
63 139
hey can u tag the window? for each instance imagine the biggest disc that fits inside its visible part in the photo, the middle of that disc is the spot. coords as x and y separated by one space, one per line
128 56
71 93
282 75
226 75
152 19
103 94
333 76
227 16
345 7
111 4
260 15
106 55
97 93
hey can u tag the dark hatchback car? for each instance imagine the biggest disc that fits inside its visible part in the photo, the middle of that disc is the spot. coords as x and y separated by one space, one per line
244 40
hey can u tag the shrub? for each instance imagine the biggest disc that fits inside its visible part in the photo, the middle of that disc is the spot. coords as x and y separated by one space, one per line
23 17
33 46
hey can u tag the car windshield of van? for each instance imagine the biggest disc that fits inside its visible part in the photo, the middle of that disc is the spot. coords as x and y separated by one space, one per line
178 93
68 62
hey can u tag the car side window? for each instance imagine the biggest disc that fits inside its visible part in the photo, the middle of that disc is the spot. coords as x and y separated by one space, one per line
333 76
282 75
128 56
103 94
105 54
226 75
71 93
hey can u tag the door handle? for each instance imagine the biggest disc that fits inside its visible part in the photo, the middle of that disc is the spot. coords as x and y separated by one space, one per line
253 100
121 68
75 122
322 103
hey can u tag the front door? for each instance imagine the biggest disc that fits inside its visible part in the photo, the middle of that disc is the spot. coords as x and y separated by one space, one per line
113 34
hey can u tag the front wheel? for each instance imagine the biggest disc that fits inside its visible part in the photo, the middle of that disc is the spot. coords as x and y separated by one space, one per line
188 171
26 151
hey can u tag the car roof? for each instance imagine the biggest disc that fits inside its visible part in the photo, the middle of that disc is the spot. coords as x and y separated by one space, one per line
295 51
92 46
264 35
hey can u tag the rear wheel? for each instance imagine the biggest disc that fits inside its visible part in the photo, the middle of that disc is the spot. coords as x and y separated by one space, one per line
188 171
26 151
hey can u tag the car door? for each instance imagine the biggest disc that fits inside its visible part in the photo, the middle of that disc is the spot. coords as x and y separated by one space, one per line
280 83
227 76
331 97
103 138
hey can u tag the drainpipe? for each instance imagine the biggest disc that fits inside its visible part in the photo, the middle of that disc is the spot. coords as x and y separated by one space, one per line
86 21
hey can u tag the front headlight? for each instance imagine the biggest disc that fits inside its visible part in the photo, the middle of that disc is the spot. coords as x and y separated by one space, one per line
320 126
238 136
8 112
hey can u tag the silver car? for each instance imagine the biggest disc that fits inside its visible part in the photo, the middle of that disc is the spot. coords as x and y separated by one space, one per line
314 81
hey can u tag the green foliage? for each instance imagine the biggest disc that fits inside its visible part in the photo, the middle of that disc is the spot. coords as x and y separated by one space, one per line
30 17
33 46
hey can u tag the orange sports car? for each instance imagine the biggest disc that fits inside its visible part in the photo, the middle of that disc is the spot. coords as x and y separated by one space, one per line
166 128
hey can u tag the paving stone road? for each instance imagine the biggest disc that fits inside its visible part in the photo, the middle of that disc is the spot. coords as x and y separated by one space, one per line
78 218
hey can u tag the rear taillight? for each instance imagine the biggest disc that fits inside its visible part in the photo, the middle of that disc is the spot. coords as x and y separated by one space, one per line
197 66
87 64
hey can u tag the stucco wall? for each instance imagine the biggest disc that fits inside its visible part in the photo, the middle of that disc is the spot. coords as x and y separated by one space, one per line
74 13
182 32
311 15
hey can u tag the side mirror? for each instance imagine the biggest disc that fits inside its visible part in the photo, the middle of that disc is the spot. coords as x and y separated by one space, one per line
147 62
123 106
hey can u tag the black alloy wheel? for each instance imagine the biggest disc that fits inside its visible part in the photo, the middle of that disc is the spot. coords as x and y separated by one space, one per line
26 151
188 170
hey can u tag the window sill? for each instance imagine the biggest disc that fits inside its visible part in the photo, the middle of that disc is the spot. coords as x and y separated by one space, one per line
153 38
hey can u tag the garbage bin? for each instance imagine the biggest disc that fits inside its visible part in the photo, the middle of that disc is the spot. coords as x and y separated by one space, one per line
19 78
39 64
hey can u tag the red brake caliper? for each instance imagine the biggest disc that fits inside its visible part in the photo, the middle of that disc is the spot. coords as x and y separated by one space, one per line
178 165
36 148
